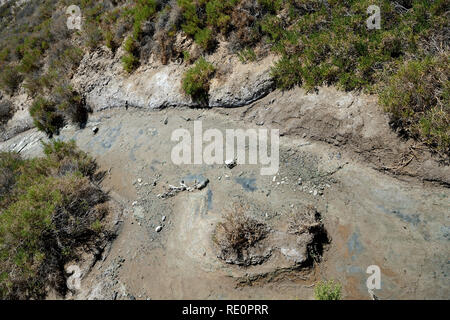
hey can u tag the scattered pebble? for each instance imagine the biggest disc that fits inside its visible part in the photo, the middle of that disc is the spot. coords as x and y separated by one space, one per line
230 163
158 229
163 218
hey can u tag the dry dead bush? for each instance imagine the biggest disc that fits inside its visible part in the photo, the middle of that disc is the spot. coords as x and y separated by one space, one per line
304 221
309 221
244 20
238 232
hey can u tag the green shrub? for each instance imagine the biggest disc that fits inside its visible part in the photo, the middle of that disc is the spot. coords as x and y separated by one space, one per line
69 103
196 80
46 116
4 54
54 208
287 72
93 35
186 56
10 79
9 170
129 62
30 61
192 23
109 40
204 19
218 14
59 152
325 43
418 100
204 38
143 10
327 290
271 6
130 45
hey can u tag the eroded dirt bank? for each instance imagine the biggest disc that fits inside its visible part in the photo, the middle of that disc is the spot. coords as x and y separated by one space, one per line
371 217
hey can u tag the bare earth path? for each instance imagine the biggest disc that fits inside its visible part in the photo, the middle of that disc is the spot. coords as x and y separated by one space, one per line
372 218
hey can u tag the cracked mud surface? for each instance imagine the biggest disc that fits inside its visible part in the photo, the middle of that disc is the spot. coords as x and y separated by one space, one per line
371 217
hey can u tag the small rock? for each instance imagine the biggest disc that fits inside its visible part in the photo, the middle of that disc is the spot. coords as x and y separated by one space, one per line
158 229
315 193
166 120
202 184
163 218
95 130
139 180
230 163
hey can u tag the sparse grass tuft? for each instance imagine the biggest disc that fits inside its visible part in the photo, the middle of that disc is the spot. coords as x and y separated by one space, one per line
247 55
327 290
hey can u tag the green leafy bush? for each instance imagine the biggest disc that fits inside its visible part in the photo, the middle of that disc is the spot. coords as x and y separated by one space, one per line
204 19
323 43
10 79
196 80
54 207
418 100
142 11
204 38
327 290
271 5
46 116
9 166
129 62
64 104
287 72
